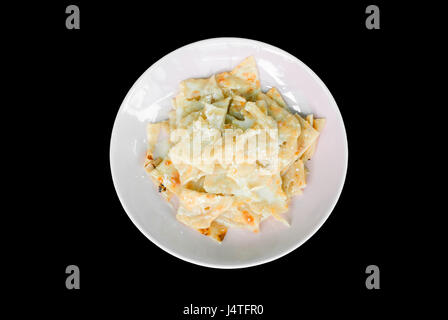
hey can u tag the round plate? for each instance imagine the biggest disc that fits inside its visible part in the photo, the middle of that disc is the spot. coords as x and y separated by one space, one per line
149 100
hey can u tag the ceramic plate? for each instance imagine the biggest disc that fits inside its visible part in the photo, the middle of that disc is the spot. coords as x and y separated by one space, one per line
149 100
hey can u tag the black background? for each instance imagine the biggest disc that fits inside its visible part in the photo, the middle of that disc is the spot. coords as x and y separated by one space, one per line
79 79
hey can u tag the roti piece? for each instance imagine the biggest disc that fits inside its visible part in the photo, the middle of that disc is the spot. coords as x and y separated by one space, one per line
245 124
240 216
237 106
262 105
166 176
198 209
215 116
187 121
188 172
216 231
223 103
273 108
195 220
248 71
158 144
274 209
288 134
196 184
185 107
220 183
205 90
274 94
307 136
288 130
262 119
172 121
242 80
318 124
294 179
204 203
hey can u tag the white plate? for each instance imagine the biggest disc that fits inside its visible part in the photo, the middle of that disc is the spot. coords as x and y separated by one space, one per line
149 100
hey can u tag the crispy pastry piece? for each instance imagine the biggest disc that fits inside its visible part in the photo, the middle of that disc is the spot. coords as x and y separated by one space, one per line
153 131
216 231
240 216
318 124
307 136
166 176
248 71
294 179
274 94
243 80
274 209
199 209
206 90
